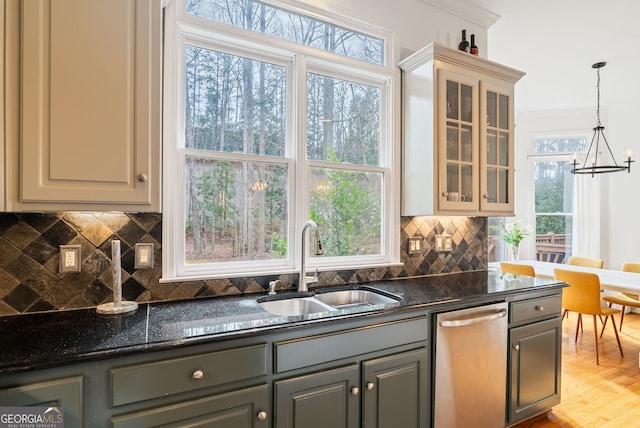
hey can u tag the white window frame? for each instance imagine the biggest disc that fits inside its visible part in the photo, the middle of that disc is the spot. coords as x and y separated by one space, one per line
534 157
185 29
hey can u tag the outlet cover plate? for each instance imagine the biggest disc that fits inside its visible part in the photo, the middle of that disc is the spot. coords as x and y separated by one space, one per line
69 258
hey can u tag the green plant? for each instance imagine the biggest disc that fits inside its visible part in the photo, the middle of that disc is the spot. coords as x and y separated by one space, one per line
514 232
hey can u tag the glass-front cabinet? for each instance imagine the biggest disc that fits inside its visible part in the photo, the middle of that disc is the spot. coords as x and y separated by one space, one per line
496 181
459 175
457 134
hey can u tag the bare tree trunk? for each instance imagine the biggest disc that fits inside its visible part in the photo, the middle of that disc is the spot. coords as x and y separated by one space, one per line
195 210
328 103
247 133
262 142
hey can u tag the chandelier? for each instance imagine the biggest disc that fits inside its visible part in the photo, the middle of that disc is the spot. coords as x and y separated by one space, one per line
598 132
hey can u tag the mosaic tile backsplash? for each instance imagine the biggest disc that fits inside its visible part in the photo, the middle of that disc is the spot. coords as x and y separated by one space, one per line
29 260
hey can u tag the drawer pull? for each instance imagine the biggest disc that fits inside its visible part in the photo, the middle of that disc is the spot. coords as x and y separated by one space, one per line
516 347
198 374
539 308
262 416
370 386
355 390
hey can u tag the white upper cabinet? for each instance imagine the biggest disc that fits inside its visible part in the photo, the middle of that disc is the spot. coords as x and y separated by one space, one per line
90 106
457 134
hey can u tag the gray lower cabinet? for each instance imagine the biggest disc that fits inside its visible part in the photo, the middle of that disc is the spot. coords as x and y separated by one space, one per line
329 398
243 408
535 343
395 390
369 375
65 393
212 387
385 392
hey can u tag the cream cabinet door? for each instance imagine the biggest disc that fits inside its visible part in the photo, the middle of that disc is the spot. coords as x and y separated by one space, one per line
496 160
90 104
458 131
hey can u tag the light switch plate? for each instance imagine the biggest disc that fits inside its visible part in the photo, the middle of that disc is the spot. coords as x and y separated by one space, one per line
443 243
144 255
415 245
69 260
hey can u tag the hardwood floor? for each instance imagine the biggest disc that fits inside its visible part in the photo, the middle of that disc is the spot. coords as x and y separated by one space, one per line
601 396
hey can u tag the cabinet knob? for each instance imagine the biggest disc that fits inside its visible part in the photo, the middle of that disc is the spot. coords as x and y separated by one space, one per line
198 374
540 308
262 416
486 196
516 347
370 386
142 178
355 390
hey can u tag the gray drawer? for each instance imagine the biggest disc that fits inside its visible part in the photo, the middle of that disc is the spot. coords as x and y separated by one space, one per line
165 377
308 351
536 309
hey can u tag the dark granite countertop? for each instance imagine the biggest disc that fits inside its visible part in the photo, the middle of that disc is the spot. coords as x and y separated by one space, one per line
51 339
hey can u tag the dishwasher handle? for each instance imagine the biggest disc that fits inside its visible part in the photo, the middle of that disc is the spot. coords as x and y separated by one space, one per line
474 320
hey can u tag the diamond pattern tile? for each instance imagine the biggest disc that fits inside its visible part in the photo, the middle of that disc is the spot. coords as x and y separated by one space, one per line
30 281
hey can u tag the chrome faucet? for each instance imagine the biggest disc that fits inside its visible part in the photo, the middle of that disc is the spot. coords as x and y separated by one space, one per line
304 279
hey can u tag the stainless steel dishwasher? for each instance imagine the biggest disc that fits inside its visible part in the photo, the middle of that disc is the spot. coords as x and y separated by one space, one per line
471 367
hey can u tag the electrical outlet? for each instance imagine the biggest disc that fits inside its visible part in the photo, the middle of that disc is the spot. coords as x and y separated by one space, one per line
69 258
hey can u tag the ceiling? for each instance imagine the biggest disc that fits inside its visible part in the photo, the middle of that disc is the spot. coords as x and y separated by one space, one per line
556 42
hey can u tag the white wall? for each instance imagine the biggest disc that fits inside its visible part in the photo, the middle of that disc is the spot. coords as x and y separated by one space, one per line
623 203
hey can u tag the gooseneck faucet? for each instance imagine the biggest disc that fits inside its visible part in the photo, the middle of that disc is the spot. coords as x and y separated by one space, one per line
304 279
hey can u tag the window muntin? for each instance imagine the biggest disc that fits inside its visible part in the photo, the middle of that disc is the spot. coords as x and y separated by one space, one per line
296 27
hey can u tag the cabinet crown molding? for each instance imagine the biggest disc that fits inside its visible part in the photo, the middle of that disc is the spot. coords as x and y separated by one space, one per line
466 10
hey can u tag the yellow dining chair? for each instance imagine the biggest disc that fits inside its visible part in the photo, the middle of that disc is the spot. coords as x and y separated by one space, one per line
583 297
517 269
625 299
586 262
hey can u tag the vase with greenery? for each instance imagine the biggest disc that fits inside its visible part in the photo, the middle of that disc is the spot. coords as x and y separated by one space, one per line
513 233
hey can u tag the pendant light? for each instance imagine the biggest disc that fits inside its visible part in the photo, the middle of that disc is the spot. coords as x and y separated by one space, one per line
598 133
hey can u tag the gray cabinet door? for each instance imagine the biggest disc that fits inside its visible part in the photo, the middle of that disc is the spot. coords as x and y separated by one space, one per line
325 399
245 408
395 390
534 372
65 393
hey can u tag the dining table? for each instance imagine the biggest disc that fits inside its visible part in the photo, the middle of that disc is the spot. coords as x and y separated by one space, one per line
614 280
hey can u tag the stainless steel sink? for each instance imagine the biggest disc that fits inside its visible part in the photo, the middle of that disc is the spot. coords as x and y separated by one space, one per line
343 299
359 298
295 306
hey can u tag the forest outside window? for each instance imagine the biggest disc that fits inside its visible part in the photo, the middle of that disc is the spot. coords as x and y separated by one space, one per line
257 140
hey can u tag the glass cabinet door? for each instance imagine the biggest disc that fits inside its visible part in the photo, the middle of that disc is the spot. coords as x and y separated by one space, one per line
497 162
458 157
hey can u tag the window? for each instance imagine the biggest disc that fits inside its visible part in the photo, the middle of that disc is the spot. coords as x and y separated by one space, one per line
273 116
554 201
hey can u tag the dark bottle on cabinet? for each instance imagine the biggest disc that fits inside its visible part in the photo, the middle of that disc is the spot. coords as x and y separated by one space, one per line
474 48
463 45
